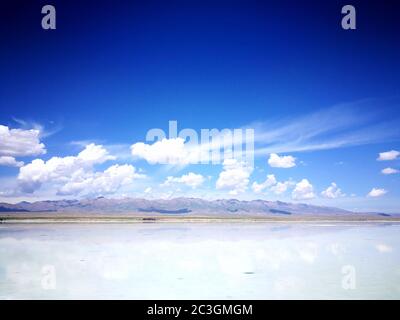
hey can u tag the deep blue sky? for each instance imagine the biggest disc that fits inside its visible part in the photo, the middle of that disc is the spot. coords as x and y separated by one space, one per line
114 69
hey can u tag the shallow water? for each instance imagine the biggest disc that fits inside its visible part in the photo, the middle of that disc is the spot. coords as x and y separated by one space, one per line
200 261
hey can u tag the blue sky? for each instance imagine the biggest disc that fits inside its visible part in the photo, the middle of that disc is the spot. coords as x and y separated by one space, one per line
112 71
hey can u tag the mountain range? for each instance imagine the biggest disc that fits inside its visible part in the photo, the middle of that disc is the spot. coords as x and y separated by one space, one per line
177 206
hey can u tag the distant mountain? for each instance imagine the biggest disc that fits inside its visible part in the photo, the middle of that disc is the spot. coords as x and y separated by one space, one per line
11 209
177 206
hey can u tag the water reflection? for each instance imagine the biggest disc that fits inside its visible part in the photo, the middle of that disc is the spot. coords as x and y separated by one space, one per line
200 261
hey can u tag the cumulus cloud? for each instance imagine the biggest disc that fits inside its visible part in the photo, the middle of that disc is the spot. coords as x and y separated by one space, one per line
389 171
277 161
260 187
271 184
10 162
93 154
75 174
303 190
106 182
376 192
166 151
332 192
234 176
281 187
191 179
20 142
388 155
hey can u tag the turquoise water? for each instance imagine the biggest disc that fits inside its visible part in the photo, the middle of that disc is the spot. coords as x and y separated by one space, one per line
200 261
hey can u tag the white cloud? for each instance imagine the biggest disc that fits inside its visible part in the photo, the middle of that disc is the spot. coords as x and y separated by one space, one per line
271 184
260 187
148 190
191 179
376 192
10 161
277 161
329 128
303 190
388 155
332 192
165 151
98 183
281 187
20 142
234 176
389 171
61 170
383 248
93 154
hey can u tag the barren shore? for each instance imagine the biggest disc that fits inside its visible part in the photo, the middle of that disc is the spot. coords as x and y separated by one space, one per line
76 217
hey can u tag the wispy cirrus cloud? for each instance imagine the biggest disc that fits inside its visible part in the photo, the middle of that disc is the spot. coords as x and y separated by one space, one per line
44 131
344 125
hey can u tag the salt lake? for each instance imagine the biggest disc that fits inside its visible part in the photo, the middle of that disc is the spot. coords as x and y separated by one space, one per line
200 261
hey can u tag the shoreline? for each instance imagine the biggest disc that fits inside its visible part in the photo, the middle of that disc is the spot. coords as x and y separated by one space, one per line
62 218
